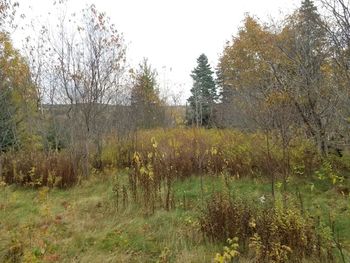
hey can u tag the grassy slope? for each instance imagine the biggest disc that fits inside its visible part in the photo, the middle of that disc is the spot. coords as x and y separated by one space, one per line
82 224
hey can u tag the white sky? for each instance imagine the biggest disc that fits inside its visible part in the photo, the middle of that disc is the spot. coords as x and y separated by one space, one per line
173 33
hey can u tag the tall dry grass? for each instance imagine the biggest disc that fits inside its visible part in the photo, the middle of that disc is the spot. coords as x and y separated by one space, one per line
39 169
168 155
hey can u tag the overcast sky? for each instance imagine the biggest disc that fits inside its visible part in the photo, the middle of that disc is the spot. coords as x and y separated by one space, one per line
173 33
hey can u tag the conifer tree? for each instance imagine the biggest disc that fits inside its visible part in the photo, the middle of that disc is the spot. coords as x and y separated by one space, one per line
204 94
145 102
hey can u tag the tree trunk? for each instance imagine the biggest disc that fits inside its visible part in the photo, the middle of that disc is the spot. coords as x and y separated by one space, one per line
86 159
269 166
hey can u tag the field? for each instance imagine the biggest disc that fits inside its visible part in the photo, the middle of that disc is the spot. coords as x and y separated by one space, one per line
103 159
85 223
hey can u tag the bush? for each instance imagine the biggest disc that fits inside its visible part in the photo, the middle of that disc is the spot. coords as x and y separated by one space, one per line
266 233
161 157
184 152
39 169
179 153
194 151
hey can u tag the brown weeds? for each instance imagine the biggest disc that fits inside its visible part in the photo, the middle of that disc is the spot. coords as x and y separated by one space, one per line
266 233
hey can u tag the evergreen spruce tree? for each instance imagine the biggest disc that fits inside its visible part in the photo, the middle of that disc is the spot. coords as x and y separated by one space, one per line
145 101
203 96
310 24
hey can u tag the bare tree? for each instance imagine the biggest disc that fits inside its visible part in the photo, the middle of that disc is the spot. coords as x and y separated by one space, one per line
86 59
303 72
8 11
337 12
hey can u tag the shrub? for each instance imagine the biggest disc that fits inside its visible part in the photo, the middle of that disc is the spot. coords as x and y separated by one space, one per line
162 157
179 153
230 252
265 233
195 151
39 169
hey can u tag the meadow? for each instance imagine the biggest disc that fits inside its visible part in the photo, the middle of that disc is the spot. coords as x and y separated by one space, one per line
184 195
102 159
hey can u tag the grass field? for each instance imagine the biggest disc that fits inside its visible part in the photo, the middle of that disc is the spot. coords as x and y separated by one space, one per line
85 223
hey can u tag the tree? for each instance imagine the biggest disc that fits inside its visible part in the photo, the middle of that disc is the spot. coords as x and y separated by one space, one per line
8 11
246 70
84 61
204 94
245 73
17 99
305 72
291 62
7 125
146 105
337 12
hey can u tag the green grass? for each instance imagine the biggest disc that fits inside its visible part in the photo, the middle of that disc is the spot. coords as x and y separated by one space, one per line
82 224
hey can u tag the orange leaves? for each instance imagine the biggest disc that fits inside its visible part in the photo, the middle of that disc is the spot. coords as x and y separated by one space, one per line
246 59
